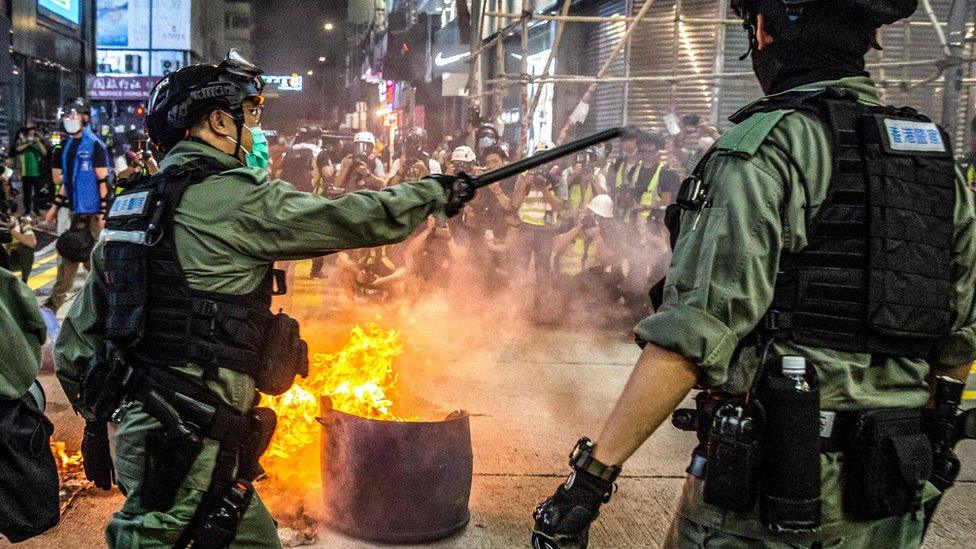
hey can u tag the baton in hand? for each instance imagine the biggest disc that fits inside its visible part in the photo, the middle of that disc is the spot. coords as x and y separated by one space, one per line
544 157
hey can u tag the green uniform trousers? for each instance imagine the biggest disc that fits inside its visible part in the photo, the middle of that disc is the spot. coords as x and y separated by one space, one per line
134 526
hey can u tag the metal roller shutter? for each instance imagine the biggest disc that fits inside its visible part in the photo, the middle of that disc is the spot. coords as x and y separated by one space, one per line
607 103
667 48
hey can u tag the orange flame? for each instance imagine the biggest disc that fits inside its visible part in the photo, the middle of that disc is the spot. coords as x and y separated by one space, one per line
62 458
357 379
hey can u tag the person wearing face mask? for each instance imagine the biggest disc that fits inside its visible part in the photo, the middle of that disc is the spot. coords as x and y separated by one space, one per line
82 172
795 299
625 169
485 138
172 336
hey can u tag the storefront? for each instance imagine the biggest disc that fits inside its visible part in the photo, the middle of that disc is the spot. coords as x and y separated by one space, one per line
52 50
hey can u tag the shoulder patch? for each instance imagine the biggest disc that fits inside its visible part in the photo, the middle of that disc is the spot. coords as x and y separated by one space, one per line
745 138
913 136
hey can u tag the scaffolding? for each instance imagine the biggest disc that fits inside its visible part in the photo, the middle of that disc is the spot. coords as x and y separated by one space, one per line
950 69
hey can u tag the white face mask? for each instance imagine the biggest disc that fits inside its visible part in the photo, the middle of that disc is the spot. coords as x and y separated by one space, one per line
71 125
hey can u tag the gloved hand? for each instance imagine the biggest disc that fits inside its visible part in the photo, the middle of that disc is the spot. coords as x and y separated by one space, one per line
459 189
563 520
97 456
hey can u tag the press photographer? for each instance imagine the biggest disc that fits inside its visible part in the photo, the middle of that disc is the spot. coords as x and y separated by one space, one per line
17 241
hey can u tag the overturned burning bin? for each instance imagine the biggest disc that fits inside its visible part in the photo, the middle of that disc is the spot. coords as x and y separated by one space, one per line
395 481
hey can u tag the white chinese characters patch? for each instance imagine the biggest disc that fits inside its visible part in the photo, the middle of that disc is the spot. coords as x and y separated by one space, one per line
910 135
129 204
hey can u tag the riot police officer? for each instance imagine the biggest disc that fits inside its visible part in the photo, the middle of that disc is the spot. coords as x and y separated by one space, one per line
172 333
824 262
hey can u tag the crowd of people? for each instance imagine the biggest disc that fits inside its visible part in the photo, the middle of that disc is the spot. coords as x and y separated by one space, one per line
579 235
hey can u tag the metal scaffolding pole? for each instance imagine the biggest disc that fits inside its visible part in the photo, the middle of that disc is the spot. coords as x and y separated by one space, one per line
951 36
953 72
528 116
564 132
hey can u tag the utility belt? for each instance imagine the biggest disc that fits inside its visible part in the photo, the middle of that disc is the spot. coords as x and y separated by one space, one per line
746 455
188 414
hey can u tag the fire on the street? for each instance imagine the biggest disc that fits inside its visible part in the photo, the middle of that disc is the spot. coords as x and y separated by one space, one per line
63 459
357 379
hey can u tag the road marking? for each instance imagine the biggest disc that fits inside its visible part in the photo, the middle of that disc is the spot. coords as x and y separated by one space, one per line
971 394
46 260
42 279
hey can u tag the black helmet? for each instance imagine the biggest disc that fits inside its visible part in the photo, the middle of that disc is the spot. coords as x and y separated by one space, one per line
874 12
75 244
78 105
416 139
181 98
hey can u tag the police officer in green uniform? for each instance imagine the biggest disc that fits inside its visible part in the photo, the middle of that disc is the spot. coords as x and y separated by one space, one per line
172 333
827 235
23 332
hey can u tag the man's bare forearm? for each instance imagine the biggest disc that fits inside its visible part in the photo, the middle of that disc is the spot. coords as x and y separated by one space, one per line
659 382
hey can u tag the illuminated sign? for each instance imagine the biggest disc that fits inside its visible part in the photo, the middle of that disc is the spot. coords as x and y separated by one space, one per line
68 10
295 82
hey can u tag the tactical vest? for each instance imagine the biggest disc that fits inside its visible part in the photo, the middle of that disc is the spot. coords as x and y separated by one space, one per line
152 312
876 274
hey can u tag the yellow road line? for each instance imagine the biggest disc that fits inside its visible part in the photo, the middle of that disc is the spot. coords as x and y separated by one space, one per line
42 279
51 257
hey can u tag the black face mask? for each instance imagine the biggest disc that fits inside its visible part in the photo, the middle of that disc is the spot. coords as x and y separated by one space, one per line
786 64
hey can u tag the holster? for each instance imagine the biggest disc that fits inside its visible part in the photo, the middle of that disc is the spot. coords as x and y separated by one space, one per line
169 459
886 464
104 385
285 356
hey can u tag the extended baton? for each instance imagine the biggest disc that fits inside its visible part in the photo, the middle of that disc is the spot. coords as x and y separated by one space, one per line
545 157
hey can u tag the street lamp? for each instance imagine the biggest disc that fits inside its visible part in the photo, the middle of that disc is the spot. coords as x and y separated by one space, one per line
310 73
329 26
321 59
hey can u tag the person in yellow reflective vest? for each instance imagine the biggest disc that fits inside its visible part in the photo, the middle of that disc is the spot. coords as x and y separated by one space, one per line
536 204
654 174
582 182
583 258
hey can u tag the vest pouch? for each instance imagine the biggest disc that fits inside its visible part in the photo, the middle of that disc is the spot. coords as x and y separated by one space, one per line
126 277
886 464
285 356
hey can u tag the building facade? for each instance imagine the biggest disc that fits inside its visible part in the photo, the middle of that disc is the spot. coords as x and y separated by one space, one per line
51 51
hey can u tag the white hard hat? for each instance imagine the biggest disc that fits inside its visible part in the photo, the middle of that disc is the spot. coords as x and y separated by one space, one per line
601 205
544 146
463 154
364 137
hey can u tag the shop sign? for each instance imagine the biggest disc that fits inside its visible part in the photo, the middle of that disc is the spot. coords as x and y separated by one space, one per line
121 87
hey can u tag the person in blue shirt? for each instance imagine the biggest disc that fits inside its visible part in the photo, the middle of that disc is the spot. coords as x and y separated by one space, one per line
81 170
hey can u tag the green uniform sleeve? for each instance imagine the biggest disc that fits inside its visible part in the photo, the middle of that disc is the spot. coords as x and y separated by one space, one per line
720 281
281 223
22 332
81 332
960 346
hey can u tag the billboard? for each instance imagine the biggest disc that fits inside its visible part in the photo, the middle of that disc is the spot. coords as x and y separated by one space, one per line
123 24
129 24
171 24
66 10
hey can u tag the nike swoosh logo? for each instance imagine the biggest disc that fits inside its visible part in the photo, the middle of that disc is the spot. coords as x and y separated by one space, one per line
442 61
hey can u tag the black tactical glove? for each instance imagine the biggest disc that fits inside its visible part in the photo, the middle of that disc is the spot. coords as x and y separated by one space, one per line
97 456
563 521
459 190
